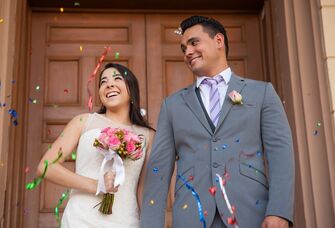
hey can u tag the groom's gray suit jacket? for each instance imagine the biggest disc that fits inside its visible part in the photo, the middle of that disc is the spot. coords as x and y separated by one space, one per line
247 137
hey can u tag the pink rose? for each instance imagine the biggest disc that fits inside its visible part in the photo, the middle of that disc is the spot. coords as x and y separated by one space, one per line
235 97
130 146
114 143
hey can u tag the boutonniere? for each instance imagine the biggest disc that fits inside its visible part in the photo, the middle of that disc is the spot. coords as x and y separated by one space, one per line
235 97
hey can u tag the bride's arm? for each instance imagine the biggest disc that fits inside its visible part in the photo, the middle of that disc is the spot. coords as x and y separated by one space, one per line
144 169
66 143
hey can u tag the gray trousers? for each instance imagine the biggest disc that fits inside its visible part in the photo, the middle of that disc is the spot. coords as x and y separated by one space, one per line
218 223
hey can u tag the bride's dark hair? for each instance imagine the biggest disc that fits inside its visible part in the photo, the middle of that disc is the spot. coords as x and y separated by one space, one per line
134 93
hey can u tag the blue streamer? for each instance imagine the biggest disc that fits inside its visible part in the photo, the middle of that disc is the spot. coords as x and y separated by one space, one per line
195 194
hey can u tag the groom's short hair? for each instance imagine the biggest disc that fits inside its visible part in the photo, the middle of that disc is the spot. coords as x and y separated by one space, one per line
210 26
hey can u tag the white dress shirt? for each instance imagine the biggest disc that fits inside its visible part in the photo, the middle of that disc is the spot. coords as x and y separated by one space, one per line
222 87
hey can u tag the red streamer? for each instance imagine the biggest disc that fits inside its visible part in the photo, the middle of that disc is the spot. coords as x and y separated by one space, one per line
91 78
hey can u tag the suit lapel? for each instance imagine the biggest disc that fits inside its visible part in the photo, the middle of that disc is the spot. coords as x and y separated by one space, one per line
192 102
236 83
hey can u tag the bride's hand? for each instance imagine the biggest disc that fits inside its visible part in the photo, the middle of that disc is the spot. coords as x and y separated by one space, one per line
109 178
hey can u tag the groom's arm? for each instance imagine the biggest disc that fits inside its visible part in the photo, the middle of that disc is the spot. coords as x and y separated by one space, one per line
159 171
277 141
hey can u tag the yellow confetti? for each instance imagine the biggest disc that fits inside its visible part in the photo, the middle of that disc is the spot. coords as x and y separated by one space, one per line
81 48
61 10
185 206
1 163
152 202
1 20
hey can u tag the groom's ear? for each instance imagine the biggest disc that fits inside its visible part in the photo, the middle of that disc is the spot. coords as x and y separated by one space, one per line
219 39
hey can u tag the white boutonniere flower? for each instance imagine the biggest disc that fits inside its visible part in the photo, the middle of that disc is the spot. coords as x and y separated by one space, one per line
235 97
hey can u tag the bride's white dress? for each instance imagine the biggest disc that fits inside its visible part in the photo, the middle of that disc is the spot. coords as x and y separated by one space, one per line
80 211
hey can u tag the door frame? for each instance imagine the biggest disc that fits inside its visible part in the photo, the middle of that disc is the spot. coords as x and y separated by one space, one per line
299 66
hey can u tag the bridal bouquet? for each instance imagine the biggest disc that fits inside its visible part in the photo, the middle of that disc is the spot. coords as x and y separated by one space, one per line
116 144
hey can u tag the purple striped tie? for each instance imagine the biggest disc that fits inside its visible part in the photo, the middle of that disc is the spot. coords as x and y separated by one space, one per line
214 97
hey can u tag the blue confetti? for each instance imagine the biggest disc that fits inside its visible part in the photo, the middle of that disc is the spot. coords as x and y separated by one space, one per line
237 140
259 153
225 146
155 170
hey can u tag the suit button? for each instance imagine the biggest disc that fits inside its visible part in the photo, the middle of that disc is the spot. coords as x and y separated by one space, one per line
215 165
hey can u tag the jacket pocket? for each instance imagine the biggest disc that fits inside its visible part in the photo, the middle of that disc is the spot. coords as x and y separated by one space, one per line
186 175
253 172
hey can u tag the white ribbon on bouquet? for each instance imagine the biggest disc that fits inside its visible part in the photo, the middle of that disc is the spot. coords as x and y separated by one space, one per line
110 155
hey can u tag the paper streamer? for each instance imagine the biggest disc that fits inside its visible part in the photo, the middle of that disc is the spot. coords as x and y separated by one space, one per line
65 195
195 194
93 75
226 198
39 179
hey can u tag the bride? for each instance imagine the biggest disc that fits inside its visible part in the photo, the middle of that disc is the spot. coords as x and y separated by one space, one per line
119 95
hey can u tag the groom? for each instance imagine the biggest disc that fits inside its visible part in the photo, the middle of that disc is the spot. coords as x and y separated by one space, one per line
220 131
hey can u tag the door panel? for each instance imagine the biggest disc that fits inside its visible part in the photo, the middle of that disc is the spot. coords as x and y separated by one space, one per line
147 45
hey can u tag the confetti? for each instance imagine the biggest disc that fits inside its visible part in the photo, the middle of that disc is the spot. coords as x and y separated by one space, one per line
39 179
155 170
74 156
315 133
190 177
1 20
77 4
237 140
143 112
231 220
225 146
81 48
66 91
65 195
34 101
61 10
117 55
195 194
212 190
37 87
26 170
185 206
318 124
126 72
152 202
259 153
1 163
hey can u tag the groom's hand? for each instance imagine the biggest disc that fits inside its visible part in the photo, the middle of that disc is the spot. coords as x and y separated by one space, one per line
109 178
274 222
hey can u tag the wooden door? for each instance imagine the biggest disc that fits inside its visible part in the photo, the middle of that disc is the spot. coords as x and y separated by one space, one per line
146 43
64 51
167 73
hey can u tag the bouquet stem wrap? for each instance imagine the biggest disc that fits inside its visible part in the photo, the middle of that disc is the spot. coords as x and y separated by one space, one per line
117 165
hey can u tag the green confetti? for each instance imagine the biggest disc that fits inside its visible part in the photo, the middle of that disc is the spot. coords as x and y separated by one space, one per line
39 179
117 55
74 156
65 195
